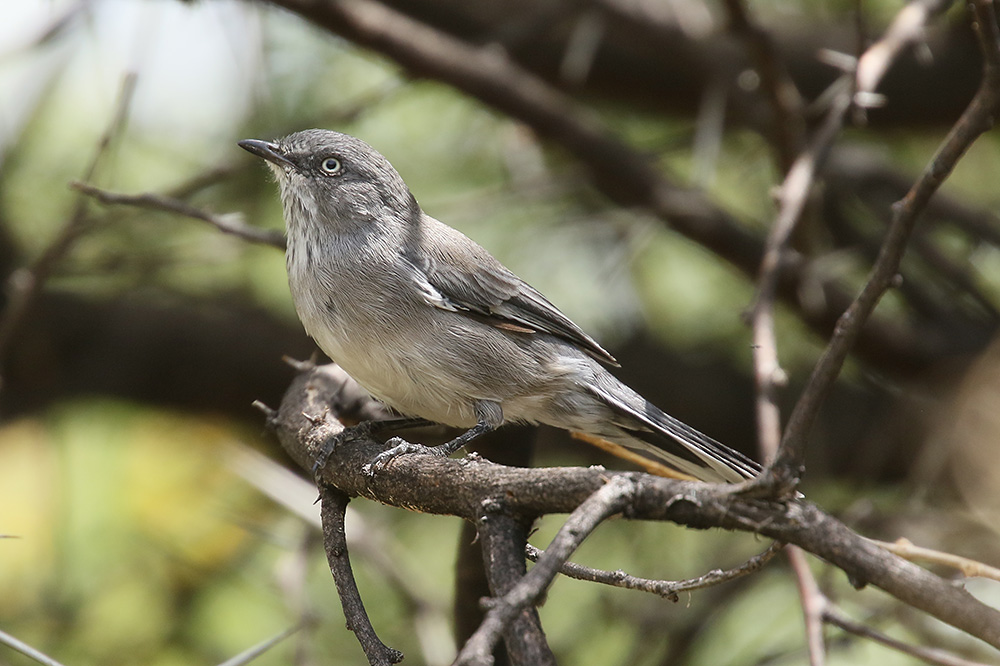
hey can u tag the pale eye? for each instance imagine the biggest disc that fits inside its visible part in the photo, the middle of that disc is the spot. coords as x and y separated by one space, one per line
330 166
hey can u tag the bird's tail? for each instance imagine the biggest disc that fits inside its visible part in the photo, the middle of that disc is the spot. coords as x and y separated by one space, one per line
655 435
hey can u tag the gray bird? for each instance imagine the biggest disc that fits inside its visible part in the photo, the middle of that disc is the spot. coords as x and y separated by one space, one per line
431 324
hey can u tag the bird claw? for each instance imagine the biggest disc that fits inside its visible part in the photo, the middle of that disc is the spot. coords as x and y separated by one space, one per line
362 430
400 447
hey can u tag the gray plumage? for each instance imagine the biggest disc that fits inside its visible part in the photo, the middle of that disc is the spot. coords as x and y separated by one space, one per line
431 324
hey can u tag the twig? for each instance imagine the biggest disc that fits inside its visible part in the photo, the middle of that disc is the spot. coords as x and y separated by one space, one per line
792 199
610 499
27 650
833 616
24 284
255 651
977 119
813 602
668 589
333 505
298 495
787 124
225 223
906 29
969 568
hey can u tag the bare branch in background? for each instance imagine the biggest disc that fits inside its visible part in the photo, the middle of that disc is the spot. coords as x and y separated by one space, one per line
787 105
813 603
969 568
835 617
227 224
977 119
24 284
792 199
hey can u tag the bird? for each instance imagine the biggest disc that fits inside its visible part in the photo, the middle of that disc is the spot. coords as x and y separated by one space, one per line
435 327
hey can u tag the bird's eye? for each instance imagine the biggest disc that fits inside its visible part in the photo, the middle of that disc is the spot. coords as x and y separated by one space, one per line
331 166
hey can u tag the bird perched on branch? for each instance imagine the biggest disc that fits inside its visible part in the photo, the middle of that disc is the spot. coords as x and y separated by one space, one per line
431 324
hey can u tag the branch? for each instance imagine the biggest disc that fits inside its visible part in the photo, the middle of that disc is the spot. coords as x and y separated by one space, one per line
27 650
460 488
668 589
365 541
930 655
793 195
228 224
610 499
788 123
813 603
254 651
503 538
906 29
333 508
662 57
969 568
792 199
977 119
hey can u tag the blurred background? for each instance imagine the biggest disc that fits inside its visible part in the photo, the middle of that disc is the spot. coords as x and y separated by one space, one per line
151 519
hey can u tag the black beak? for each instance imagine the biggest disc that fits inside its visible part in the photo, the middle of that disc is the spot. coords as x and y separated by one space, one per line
269 151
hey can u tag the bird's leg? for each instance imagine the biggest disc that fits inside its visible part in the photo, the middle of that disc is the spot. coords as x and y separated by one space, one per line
489 417
363 430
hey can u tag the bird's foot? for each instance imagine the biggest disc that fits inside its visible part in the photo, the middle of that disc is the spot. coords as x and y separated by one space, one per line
401 447
362 430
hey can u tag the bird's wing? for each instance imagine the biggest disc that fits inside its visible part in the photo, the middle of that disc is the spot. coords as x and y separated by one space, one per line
461 276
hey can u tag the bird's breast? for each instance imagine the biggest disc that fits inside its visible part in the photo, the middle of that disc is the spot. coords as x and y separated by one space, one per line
373 331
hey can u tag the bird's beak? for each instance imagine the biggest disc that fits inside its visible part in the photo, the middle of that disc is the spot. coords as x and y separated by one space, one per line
271 152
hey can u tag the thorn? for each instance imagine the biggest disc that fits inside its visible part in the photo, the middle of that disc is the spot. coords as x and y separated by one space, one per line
267 411
314 420
301 366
